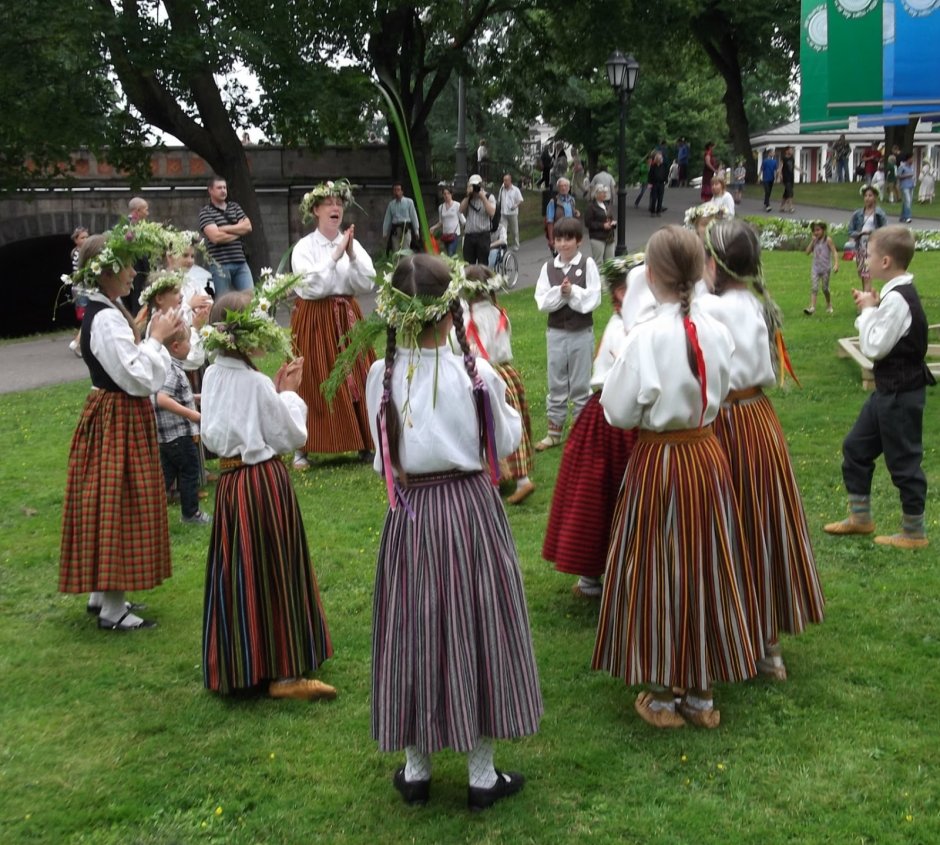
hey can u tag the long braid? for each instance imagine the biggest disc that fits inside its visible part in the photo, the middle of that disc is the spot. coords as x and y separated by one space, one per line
684 289
470 365
392 420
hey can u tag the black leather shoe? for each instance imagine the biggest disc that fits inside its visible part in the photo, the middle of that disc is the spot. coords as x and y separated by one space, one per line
414 792
507 783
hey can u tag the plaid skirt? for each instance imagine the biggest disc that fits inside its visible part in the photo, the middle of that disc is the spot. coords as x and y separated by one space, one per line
519 463
317 326
783 566
678 607
586 492
262 617
452 656
114 523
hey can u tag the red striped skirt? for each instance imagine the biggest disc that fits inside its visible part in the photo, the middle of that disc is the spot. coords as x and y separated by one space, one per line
586 491
262 617
783 565
114 524
452 656
519 463
678 607
317 326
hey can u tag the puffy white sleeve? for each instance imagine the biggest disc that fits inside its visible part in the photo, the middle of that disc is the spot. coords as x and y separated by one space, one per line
137 368
628 390
283 419
322 276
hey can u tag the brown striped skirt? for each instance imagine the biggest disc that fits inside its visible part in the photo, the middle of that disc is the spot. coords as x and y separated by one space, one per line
586 491
114 524
678 607
783 566
452 656
262 617
317 326
519 463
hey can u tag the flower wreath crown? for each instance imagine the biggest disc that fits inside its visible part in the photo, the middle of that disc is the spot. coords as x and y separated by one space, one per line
341 188
161 280
706 209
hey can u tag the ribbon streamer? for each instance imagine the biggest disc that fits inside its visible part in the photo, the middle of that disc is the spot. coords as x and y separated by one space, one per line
784 357
692 333
488 428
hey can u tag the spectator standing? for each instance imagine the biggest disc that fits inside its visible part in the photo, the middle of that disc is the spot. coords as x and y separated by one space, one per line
906 184
600 224
478 207
400 226
656 178
510 198
561 206
483 159
137 209
682 157
768 174
449 221
224 224
841 150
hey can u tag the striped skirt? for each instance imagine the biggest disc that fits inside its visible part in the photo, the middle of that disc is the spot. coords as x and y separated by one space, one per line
783 566
678 607
317 326
452 656
114 524
586 492
262 617
519 463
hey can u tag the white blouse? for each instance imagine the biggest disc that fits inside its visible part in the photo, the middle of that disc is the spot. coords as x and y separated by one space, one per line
498 344
583 299
608 351
441 435
640 304
725 201
741 313
651 384
313 256
450 217
137 368
243 415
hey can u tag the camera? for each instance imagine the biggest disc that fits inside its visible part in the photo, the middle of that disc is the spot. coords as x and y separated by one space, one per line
476 187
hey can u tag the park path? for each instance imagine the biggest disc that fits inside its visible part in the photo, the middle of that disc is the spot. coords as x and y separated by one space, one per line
46 360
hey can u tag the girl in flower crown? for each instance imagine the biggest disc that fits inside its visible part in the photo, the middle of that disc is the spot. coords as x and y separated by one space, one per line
114 475
489 334
593 463
334 270
783 566
677 608
452 659
262 620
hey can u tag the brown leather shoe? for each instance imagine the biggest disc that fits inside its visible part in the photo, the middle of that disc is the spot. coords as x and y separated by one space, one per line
902 541
306 689
850 526
656 718
710 718
768 668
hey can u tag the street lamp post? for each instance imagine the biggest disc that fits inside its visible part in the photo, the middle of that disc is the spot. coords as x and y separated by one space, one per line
622 72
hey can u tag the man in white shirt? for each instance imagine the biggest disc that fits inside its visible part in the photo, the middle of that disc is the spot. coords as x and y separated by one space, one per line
510 198
400 226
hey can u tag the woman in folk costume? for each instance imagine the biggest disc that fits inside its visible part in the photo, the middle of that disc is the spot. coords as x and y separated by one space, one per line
678 608
452 658
578 533
334 270
489 334
262 619
114 525
783 565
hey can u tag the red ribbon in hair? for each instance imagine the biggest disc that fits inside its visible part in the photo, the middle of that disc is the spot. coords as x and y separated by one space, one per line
473 335
692 334
503 324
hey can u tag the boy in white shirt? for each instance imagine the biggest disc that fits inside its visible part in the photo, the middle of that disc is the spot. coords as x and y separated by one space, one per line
568 290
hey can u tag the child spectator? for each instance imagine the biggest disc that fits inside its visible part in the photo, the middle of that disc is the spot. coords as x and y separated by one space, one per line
595 458
783 565
79 293
892 330
568 290
178 430
262 618
825 262
678 608
738 177
453 664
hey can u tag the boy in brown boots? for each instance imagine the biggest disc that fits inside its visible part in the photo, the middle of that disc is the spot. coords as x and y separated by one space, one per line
892 330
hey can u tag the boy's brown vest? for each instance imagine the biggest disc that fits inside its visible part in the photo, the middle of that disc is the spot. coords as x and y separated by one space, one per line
566 317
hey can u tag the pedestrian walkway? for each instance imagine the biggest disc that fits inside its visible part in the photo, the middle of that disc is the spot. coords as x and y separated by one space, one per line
47 360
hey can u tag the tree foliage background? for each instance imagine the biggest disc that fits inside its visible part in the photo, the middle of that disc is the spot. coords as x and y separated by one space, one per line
102 74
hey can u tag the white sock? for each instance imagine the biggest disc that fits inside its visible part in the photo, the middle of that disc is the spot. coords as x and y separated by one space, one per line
417 765
113 607
699 703
657 704
480 764
521 482
590 586
95 599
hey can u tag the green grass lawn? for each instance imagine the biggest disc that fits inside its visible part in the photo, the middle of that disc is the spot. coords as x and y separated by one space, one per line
111 738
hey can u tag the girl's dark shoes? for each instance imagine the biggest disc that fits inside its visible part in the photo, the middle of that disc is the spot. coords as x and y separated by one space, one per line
507 783
123 625
414 792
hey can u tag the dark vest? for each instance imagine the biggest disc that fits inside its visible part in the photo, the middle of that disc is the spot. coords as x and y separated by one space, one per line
566 317
903 368
99 376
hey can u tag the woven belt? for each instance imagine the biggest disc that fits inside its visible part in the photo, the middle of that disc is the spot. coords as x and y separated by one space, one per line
744 393
682 435
426 479
226 464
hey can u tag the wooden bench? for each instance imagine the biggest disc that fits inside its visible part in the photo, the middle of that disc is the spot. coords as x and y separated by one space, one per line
848 348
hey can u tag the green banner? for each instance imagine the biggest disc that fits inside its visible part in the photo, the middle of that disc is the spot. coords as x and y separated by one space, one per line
855 38
814 69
